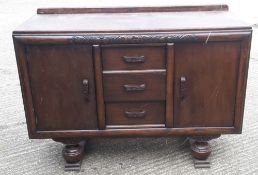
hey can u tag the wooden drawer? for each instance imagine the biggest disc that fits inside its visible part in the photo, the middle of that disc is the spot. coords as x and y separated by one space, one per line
134 86
135 113
133 57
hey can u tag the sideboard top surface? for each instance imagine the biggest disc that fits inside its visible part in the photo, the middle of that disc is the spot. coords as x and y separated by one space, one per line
133 21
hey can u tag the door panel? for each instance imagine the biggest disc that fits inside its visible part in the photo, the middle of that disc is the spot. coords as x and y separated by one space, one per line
58 90
205 84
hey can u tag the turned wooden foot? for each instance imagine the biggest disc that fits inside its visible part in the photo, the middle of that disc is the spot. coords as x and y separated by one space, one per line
73 153
201 150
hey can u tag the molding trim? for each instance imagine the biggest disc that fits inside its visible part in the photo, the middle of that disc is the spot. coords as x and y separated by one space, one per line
152 38
132 38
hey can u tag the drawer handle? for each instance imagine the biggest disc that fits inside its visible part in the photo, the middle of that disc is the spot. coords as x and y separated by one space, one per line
183 87
139 114
139 59
133 87
85 89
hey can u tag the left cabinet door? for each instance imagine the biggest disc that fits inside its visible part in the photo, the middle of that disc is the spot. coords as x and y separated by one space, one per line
62 86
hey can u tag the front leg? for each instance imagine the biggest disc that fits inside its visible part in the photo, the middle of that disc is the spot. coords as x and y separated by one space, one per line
73 153
201 150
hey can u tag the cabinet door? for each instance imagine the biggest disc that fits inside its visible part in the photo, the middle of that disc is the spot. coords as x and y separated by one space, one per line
62 85
205 84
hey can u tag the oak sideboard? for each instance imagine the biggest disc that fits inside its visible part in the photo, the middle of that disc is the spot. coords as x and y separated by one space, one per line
133 72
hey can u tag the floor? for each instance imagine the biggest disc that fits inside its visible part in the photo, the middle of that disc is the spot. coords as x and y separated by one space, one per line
232 154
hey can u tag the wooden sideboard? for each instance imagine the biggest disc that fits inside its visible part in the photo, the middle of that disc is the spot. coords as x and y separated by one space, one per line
132 72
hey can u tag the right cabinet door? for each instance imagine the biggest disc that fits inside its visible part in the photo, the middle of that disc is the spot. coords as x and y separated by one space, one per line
205 84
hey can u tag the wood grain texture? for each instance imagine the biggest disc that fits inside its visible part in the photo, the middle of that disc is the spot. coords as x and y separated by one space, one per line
211 77
114 86
154 113
56 74
20 51
153 55
170 87
242 81
99 86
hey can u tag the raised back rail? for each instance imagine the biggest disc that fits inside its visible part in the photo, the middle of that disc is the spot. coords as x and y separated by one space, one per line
222 7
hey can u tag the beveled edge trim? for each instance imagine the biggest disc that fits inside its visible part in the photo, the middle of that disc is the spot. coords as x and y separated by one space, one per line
161 71
134 37
133 45
135 126
140 132
215 7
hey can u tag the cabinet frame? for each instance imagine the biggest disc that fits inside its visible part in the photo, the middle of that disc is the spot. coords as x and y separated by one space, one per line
243 36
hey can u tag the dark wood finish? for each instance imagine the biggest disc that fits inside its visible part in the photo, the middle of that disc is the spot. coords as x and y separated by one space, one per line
131 22
164 74
136 37
120 57
241 82
117 127
222 7
56 76
205 84
137 132
85 89
73 153
135 113
170 87
114 90
25 88
99 87
201 150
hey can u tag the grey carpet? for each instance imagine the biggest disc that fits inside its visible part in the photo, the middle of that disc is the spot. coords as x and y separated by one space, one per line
232 154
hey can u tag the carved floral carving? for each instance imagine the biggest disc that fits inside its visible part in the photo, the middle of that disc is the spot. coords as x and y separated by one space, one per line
132 38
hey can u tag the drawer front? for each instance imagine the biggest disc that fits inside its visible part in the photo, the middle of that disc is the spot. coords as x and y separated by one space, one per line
133 57
135 86
135 113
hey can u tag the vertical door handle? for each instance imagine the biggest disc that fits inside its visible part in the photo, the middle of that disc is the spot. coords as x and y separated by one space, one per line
183 87
85 89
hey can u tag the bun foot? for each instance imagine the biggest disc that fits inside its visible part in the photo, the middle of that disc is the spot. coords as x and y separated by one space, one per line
73 155
200 152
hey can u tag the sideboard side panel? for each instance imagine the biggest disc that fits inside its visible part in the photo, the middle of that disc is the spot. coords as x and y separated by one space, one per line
242 82
20 52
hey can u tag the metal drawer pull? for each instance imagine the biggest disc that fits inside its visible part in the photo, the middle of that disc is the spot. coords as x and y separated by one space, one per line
183 88
135 114
139 59
133 87
85 89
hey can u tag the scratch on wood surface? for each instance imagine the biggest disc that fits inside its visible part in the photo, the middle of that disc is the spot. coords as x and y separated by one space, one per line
208 38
